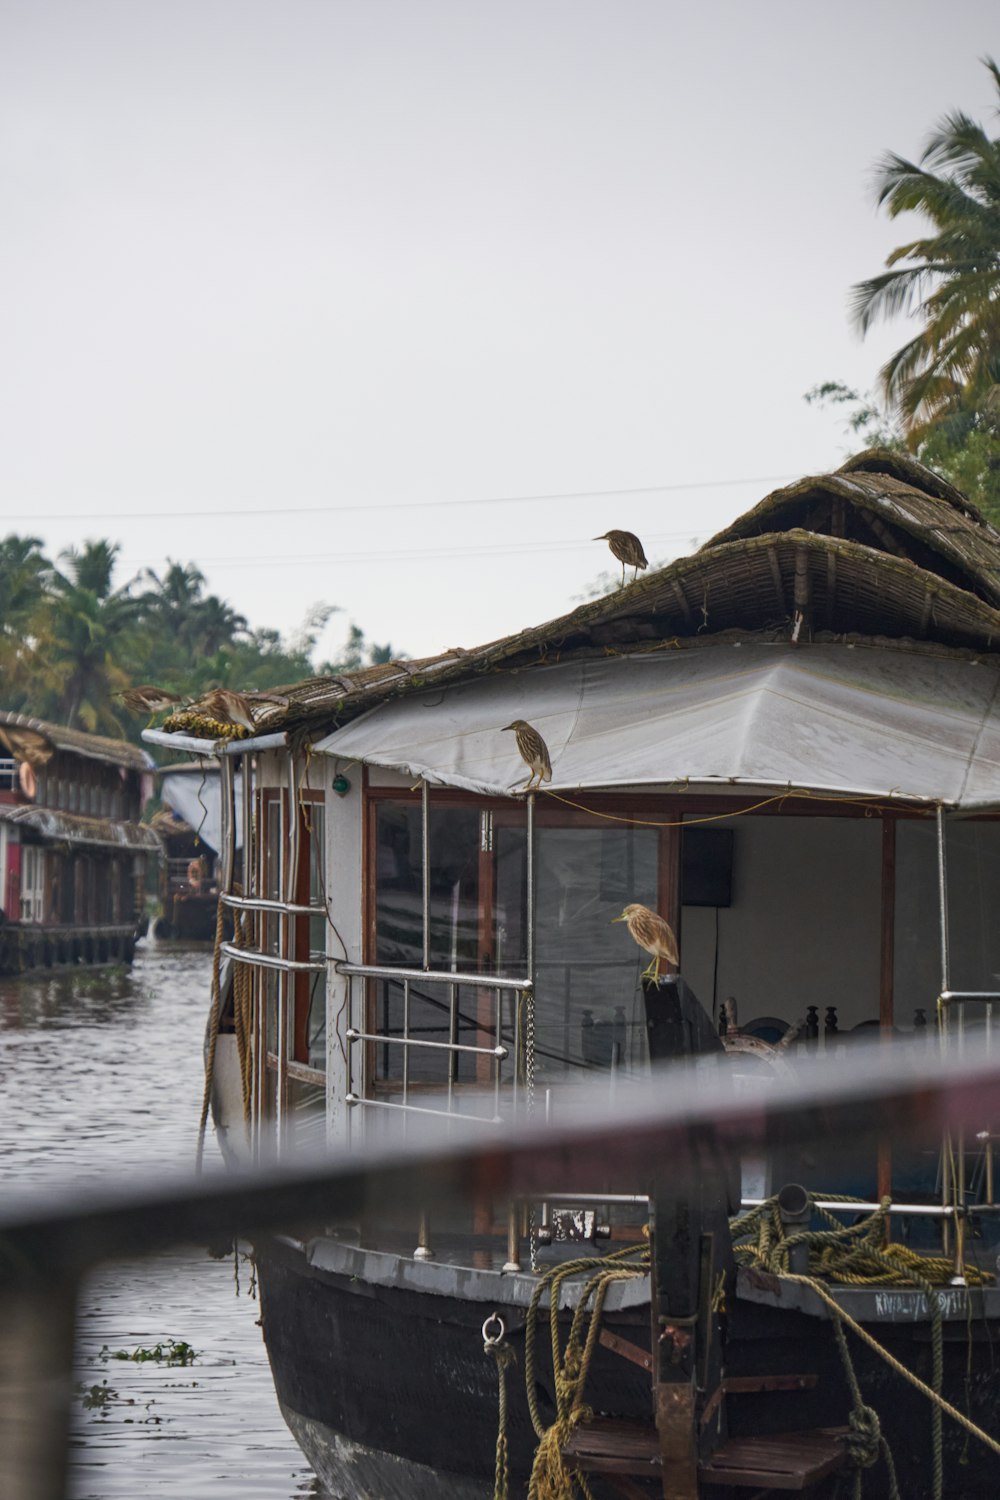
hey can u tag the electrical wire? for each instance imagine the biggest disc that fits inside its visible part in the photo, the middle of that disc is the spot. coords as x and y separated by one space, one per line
407 554
245 513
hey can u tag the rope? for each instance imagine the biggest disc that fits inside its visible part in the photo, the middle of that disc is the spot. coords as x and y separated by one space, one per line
213 1036
551 1477
869 804
894 1364
502 1352
857 1255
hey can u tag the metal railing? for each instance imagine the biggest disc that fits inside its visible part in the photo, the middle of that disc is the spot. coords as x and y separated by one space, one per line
509 1040
954 1032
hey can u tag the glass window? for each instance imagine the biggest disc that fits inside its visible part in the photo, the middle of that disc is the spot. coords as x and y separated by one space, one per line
437 1013
588 1013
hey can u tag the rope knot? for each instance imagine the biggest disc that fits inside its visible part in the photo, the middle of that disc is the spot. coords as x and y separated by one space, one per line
865 1440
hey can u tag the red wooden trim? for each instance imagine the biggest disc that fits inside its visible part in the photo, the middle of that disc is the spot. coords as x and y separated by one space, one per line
656 805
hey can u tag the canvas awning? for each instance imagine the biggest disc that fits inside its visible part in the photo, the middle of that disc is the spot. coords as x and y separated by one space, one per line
197 798
868 721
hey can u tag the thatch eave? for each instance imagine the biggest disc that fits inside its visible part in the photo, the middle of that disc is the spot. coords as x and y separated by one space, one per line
787 584
875 498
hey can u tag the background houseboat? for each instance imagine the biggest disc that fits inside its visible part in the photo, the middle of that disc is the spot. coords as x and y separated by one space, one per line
789 745
189 824
73 853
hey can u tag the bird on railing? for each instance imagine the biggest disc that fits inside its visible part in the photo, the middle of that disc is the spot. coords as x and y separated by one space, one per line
653 933
626 546
532 750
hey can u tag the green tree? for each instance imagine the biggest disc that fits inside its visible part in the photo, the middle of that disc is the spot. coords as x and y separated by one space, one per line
950 277
23 574
85 639
962 446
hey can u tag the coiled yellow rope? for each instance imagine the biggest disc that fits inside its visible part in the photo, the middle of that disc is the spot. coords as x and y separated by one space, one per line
551 1478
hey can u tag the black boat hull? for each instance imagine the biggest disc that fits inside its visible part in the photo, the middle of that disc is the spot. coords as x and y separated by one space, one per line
389 1393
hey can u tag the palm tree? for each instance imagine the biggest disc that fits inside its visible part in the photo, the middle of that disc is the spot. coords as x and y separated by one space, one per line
87 629
951 277
24 570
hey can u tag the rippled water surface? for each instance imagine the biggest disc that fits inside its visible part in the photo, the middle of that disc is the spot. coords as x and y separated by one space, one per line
100 1076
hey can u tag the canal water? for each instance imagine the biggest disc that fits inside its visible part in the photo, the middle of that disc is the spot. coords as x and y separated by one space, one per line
101 1078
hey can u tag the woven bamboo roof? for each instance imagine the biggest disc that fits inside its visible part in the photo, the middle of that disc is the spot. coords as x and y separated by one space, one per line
92 746
890 502
882 549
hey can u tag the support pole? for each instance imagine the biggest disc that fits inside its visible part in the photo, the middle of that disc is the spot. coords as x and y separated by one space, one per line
425 870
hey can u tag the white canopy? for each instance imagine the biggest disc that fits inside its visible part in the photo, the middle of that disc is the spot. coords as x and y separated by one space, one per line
869 721
197 798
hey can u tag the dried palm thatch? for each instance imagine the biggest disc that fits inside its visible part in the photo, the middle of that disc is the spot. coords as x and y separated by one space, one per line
890 502
34 740
882 549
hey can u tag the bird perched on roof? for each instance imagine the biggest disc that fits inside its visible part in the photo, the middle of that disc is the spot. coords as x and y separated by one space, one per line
532 750
148 699
234 708
653 933
626 546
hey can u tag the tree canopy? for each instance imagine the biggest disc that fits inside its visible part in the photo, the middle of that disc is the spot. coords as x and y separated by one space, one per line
950 277
71 639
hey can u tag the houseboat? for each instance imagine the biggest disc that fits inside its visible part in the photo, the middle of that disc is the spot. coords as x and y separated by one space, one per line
73 852
787 745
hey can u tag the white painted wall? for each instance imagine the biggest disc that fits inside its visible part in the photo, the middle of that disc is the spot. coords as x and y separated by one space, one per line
804 925
973 863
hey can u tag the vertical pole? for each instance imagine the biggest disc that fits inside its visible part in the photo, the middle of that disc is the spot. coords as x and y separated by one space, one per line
227 788
425 843
529 939
513 1262
406 1038
943 901
529 1008
948 1188
886 981
423 1250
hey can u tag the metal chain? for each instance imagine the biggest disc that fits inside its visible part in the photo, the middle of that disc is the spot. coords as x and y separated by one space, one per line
529 1092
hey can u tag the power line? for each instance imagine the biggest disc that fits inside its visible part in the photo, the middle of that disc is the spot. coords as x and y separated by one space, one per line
331 510
408 554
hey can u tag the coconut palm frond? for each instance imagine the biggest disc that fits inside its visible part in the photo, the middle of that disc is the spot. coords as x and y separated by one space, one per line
951 278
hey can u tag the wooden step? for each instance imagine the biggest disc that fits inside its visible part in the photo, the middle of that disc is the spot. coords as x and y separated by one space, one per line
785 1461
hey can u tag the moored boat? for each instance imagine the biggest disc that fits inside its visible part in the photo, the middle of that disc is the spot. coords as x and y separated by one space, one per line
786 745
73 852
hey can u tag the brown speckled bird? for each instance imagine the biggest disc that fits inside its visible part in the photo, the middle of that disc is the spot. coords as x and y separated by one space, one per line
234 708
626 546
533 751
654 934
148 699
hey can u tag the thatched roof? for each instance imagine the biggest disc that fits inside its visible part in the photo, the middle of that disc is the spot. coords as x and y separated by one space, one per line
34 739
890 502
882 549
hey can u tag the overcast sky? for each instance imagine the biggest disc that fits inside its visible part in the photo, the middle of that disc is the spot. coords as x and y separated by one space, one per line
288 284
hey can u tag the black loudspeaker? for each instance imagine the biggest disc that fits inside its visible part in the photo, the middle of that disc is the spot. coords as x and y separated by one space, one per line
706 867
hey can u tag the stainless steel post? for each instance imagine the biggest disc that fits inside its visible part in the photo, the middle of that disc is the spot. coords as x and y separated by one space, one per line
227 787
423 1250
513 1262
425 844
947 1186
